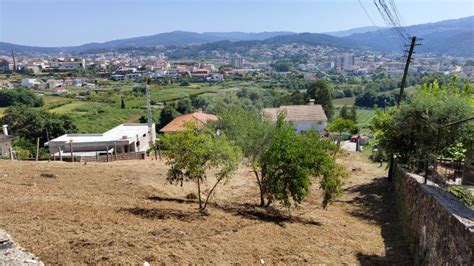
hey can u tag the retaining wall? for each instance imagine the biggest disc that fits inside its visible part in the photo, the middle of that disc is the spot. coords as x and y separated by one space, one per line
437 226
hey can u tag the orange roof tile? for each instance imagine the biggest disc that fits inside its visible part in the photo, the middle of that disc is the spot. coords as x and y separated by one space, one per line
179 123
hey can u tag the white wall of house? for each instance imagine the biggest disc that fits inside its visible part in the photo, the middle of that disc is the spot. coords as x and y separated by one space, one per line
5 148
29 82
309 125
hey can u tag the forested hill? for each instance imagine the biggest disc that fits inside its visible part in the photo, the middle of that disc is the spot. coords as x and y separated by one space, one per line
453 37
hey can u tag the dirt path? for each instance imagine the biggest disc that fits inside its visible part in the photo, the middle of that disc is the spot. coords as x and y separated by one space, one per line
127 212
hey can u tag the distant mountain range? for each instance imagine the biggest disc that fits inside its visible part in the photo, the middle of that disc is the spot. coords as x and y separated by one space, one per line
454 37
345 33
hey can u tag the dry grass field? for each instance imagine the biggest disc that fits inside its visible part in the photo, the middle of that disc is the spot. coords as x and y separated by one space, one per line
126 212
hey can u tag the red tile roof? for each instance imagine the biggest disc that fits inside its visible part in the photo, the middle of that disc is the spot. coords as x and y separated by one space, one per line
179 123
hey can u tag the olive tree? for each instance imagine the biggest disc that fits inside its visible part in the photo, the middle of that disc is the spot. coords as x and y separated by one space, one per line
193 153
252 133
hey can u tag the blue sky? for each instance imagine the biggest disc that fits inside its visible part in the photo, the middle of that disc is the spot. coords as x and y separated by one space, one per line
75 22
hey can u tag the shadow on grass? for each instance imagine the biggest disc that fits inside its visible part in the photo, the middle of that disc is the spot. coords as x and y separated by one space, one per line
165 214
177 200
376 203
247 211
268 214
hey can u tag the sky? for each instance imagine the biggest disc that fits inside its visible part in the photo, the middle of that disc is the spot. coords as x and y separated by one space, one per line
75 22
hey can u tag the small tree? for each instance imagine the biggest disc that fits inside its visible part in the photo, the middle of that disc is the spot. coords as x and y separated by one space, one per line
353 114
122 104
194 152
344 113
417 132
253 134
341 125
291 160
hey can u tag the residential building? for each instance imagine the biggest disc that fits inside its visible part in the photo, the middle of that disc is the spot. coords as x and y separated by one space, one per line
30 83
125 138
345 62
304 117
54 83
5 84
236 61
179 123
199 72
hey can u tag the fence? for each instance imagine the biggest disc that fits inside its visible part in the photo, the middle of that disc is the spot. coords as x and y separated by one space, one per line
449 169
109 157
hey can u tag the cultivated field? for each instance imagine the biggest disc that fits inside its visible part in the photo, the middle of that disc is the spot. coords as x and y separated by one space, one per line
127 212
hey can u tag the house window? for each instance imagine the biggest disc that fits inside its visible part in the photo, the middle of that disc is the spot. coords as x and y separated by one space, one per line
320 122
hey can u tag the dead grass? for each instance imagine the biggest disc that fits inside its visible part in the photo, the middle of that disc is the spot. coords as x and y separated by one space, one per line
126 212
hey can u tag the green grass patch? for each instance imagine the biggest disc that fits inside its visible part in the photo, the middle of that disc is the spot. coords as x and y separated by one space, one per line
100 117
349 101
363 116
51 102
67 108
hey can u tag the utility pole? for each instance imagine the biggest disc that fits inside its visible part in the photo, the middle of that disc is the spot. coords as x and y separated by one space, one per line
407 66
400 98
148 109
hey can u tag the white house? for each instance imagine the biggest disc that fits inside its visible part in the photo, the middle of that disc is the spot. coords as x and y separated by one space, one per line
125 138
304 117
29 83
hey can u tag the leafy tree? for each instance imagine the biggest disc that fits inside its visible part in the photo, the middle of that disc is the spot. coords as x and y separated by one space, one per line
184 106
252 133
296 98
341 125
321 93
196 151
344 113
19 96
417 131
29 124
291 160
282 66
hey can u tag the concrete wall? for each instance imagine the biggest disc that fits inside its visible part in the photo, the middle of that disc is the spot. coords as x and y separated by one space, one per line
439 229
5 148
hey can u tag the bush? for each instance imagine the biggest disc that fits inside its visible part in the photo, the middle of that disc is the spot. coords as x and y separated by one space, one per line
19 97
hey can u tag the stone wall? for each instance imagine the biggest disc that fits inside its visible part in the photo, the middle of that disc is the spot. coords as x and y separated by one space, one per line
12 254
438 228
